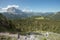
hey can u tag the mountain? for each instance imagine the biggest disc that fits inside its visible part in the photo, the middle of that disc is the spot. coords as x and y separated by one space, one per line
56 16
15 13
14 10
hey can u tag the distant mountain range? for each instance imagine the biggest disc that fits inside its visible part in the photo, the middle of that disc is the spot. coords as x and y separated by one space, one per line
13 13
56 16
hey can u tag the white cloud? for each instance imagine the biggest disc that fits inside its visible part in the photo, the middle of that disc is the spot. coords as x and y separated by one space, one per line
9 6
2 10
26 10
16 6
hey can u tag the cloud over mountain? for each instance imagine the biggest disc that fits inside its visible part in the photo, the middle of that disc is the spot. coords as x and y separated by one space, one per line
15 6
9 6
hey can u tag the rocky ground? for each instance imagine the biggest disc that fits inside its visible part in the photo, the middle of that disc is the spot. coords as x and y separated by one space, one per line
31 36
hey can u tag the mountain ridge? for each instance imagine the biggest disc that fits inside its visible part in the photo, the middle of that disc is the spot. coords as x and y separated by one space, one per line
15 13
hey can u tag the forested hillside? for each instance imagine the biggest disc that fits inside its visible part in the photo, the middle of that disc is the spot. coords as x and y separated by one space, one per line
6 25
31 25
28 25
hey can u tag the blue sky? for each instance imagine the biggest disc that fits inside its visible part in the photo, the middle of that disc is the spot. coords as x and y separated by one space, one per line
34 5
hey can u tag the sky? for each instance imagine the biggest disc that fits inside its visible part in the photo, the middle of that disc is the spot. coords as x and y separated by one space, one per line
33 5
